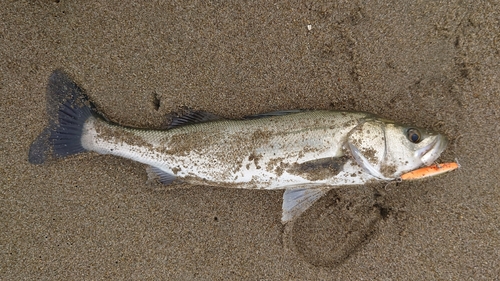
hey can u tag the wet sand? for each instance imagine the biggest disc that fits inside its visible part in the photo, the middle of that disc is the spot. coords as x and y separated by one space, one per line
95 217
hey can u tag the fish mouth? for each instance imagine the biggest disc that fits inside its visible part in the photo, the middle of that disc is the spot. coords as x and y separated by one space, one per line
431 152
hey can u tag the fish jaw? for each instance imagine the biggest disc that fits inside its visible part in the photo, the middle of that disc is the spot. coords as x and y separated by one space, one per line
431 153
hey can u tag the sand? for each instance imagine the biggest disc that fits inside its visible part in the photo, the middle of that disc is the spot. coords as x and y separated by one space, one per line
94 217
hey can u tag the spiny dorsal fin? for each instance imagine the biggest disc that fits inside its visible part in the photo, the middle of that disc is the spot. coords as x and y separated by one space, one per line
274 113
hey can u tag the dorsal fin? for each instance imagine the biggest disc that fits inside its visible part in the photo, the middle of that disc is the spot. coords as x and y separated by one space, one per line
274 113
187 116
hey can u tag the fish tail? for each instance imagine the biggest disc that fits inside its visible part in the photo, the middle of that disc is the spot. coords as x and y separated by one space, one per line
68 108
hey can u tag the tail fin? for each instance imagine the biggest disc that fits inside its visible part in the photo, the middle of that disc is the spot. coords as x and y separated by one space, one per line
68 108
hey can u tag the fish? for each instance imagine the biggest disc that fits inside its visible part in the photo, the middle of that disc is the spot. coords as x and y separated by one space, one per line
303 152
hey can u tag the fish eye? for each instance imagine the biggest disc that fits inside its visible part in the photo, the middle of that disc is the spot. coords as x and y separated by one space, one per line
413 135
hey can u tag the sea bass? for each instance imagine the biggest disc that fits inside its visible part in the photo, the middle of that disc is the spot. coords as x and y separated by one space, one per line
304 152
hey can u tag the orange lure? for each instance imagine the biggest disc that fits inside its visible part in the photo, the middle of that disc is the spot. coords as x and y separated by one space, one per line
430 171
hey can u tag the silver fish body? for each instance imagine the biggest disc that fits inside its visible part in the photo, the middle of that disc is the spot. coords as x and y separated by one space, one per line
261 153
304 152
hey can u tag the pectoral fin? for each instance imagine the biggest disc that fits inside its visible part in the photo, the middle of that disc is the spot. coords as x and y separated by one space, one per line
319 169
296 201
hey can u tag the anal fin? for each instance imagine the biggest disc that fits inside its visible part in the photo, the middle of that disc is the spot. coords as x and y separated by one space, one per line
158 175
298 200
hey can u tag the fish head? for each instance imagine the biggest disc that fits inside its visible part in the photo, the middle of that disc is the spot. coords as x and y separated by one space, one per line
386 149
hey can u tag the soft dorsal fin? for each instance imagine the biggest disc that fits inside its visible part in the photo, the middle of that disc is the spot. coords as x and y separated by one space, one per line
274 113
296 201
188 116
